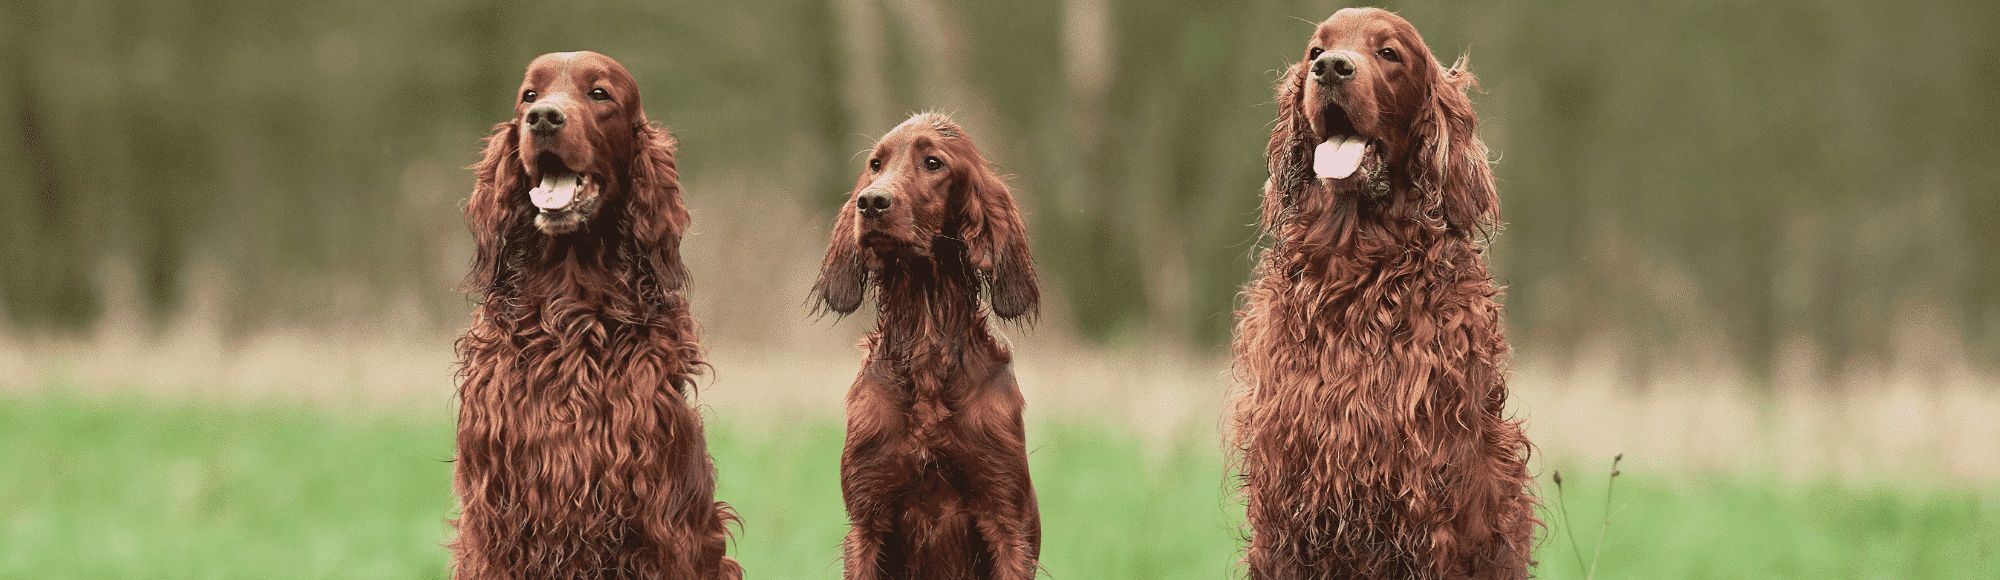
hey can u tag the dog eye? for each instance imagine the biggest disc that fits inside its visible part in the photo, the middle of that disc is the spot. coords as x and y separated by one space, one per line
599 95
528 96
1390 54
874 165
932 163
1314 55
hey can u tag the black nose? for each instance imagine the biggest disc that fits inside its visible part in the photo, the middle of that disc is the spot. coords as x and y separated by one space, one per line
872 203
1333 66
545 118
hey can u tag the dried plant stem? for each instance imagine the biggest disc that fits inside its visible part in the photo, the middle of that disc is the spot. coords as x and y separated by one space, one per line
1563 510
1606 528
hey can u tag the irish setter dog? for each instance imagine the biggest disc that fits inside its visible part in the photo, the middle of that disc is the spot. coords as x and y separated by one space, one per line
579 453
1372 431
935 470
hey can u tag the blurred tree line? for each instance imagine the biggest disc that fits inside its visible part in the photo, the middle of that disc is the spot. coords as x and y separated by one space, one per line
1701 172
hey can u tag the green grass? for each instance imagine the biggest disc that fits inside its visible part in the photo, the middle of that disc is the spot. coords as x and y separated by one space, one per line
1755 527
132 489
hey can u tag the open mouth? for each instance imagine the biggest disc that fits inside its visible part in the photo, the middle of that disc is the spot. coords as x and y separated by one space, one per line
1341 152
566 198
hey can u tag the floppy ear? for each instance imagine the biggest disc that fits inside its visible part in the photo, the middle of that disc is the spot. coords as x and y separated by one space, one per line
1449 164
655 213
1287 154
844 275
996 243
490 212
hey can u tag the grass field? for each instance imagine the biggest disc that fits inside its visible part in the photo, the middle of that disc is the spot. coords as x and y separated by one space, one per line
96 487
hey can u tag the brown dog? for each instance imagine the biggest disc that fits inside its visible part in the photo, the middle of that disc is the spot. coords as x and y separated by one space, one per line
1372 430
935 471
579 453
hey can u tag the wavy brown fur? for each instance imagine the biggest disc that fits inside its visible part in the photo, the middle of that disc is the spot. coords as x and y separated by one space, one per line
1371 430
935 470
579 453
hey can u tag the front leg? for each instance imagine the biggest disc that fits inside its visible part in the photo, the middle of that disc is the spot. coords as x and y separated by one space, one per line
1006 514
991 441
872 513
1011 539
869 466
861 553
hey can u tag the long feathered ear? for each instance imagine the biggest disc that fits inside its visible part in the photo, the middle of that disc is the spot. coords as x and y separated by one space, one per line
656 215
1286 156
844 275
996 242
1449 162
490 211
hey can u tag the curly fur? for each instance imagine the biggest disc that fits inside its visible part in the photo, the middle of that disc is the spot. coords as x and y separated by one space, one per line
579 452
935 469
1370 429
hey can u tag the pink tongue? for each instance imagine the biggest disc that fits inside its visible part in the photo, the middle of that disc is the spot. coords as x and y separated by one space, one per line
1339 156
555 192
